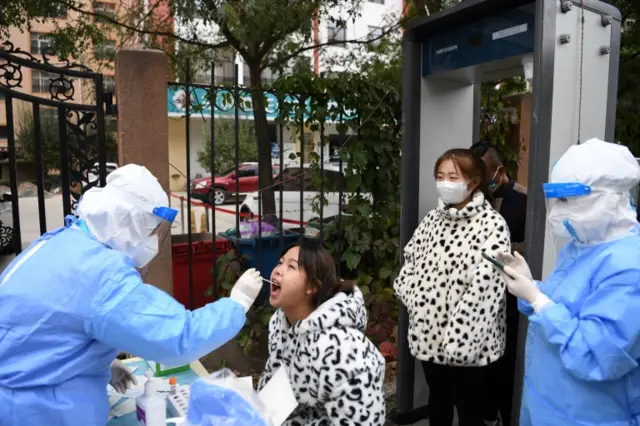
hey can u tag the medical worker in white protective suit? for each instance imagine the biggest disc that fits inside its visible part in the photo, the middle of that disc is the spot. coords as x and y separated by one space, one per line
75 298
583 343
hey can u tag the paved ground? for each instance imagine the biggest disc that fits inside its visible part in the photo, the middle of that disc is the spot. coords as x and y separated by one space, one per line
224 219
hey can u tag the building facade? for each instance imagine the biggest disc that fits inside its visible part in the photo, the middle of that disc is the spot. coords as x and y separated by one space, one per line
374 18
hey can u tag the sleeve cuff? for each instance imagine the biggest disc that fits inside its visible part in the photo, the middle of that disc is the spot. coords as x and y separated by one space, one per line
540 303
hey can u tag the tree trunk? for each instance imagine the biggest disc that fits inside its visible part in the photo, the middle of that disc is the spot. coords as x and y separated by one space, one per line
264 145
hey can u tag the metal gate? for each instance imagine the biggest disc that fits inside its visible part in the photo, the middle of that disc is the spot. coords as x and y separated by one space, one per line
80 139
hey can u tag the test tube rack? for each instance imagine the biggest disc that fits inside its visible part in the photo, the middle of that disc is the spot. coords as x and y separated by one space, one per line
179 402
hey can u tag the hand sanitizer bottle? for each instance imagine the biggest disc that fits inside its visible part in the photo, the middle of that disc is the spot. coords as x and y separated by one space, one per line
151 408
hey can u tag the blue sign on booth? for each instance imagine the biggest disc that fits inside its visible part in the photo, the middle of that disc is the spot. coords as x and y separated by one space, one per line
497 37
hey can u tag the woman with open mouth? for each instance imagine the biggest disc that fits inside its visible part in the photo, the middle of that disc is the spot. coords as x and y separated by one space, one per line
316 335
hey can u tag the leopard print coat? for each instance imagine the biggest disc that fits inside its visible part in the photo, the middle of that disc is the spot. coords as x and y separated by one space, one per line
337 374
455 298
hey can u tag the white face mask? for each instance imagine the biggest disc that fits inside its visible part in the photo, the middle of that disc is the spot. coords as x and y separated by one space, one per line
452 192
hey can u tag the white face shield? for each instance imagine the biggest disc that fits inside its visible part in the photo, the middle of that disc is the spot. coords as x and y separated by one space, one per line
588 195
146 252
587 216
562 203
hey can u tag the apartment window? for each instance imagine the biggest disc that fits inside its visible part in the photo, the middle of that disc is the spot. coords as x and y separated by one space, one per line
377 1
225 74
40 42
4 134
53 10
105 9
375 34
337 34
105 50
202 77
41 82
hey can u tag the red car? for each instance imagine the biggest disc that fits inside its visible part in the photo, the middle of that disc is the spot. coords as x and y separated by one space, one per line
224 185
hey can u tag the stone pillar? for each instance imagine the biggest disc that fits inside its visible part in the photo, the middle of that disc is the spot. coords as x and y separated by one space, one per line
143 131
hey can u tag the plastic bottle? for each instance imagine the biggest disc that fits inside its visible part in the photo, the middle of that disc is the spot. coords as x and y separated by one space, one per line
151 408
173 385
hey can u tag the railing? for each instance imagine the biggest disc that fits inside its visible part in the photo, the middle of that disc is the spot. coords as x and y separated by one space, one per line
313 176
79 139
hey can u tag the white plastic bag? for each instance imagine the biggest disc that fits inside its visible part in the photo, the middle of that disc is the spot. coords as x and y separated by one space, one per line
222 399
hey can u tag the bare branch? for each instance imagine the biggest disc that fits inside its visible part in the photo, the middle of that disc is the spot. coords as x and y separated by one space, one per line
282 60
167 34
140 21
234 42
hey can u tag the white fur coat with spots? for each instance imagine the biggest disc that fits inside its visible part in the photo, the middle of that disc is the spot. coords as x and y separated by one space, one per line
337 374
455 297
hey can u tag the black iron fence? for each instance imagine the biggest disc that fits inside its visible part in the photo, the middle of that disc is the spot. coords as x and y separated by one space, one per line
307 185
57 134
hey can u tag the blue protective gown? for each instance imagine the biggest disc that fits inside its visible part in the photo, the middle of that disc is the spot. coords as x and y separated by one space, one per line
581 364
65 314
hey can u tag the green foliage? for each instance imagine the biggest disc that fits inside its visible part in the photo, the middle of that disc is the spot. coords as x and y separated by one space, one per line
224 143
268 34
499 117
228 269
628 108
25 139
70 40
366 243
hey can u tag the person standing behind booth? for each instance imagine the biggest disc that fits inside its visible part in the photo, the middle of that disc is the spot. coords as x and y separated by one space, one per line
510 200
455 299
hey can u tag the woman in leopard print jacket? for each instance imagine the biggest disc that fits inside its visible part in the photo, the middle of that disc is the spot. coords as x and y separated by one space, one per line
336 373
455 297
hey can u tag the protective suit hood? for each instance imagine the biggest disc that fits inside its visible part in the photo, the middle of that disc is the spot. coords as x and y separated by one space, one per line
611 171
601 165
120 215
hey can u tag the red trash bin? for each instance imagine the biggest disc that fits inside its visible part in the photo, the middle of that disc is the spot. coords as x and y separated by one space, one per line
202 260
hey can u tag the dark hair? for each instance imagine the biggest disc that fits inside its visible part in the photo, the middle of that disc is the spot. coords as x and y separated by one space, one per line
469 164
320 268
485 148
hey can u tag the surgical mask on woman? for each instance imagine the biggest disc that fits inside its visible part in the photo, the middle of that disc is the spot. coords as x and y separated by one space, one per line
452 192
